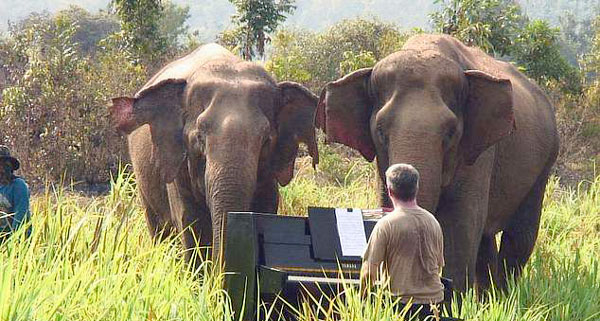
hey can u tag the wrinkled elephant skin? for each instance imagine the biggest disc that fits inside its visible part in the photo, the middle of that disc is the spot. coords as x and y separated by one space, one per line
482 135
209 134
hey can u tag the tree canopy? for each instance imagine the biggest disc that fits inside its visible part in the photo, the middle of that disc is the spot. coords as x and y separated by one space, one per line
254 20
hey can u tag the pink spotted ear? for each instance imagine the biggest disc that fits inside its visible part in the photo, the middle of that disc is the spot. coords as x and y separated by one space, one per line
121 113
344 112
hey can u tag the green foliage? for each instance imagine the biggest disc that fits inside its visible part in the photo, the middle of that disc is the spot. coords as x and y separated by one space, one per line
592 58
578 116
559 283
577 33
592 89
537 52
488 24
91 28
94 260
60 72
232 40
500 28
321 55
141 30
354 61
254 20
54 111
289 63
172 25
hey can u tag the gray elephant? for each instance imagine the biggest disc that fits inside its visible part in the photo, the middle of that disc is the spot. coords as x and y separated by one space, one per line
482 135
211 133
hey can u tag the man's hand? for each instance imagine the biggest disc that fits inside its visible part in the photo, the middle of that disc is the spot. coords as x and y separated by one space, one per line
368 276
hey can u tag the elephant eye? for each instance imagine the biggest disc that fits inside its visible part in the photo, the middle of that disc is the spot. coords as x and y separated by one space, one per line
199 143
266 141
451 132
381 134
449 135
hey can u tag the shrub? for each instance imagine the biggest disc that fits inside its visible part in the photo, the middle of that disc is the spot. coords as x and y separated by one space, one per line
54 111
321 55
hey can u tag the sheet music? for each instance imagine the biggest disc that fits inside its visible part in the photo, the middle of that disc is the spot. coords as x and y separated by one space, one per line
351 230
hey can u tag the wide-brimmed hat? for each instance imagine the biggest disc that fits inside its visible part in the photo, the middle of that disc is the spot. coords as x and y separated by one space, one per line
5 155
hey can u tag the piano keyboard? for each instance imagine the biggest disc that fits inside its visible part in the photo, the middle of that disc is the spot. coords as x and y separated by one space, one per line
322 280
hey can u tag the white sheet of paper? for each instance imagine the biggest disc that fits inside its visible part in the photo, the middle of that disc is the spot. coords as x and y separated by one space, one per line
351 230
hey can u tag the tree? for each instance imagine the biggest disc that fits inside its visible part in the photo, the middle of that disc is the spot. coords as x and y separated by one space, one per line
500 28
318 58
591 65
353 61
53 105
289 62
255 19
577 33
172 25
488 24
140 27
91 27
538 53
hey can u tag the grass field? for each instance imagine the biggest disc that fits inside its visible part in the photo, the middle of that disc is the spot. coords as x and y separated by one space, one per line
92 259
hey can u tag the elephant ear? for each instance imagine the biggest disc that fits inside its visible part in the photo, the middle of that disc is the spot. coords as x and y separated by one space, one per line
344 112
489 113
294 126
160 107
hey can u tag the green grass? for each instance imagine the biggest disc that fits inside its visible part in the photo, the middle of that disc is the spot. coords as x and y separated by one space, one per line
92 259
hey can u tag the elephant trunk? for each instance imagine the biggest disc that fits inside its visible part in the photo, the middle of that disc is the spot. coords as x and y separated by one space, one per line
423 152
230 188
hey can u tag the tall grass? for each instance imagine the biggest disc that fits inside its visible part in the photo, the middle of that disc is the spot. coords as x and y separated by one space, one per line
92 259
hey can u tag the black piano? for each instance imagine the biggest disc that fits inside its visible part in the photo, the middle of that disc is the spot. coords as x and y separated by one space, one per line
284 256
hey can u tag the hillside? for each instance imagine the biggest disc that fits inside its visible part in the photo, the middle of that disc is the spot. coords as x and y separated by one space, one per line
210 17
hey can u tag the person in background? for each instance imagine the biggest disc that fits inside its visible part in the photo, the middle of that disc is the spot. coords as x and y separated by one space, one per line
14 196
405 249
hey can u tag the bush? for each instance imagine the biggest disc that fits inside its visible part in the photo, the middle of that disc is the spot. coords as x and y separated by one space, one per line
537 52
578 117
54 111
500 28
320 57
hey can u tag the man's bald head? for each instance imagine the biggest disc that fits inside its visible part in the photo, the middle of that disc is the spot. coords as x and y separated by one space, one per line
402 181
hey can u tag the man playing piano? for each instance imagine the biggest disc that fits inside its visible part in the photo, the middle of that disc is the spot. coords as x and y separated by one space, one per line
405 249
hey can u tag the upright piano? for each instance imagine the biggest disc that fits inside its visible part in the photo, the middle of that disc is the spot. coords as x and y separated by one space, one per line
268 256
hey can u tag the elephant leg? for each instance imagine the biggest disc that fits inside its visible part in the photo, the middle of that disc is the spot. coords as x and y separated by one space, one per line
158 228
384 198
196 237
192 218
460 249
487 261
462 213
518 238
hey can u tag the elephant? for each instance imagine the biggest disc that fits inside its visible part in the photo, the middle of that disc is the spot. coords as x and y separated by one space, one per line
482 135
208 134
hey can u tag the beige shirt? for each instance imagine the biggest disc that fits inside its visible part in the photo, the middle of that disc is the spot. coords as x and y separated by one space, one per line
408 246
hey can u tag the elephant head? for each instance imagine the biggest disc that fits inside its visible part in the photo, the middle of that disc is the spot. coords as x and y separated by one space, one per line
418 108
227 137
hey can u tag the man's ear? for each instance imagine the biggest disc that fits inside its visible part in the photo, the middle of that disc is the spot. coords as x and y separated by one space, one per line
344 112
294 126
489 114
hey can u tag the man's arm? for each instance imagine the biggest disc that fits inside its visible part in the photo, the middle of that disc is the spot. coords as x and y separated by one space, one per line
20 204
372 259
369 273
